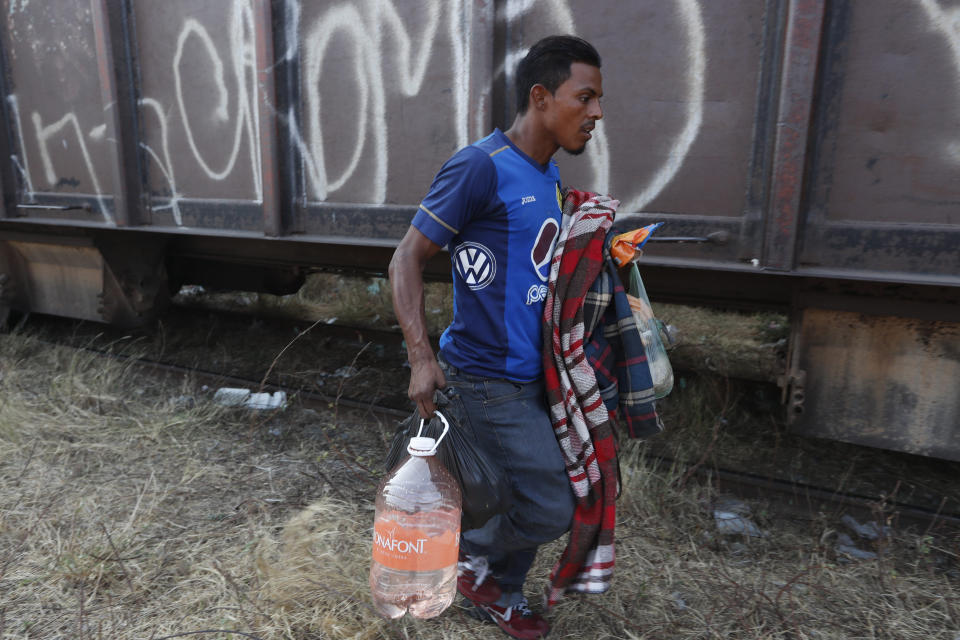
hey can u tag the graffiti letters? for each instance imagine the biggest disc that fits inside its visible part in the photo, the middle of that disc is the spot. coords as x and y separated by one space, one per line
386 56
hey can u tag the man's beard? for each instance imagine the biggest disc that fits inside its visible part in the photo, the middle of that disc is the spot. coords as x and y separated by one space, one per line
576 152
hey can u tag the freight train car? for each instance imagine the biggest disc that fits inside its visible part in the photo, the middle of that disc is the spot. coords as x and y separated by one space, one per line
239 143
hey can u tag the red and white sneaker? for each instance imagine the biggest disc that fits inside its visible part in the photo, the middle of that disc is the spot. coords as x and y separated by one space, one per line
474 580
517 621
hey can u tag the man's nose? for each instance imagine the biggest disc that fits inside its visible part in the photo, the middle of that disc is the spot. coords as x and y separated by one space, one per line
596 112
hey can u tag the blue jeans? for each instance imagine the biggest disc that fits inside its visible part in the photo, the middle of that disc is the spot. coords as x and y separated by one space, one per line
509 421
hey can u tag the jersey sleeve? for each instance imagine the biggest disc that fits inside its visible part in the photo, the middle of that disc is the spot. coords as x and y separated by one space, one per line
461 191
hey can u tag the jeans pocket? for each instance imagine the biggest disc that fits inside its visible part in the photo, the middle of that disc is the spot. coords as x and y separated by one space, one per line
499 391
455 407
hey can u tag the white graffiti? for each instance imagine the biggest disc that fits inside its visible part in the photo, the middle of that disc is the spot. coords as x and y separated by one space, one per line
947 22
344 18
386 56
381 16
696 78
367 30
292 29
368 26
598 151
462 38
18 5
22 167
98 132
165 164
242 47
44 133
246 118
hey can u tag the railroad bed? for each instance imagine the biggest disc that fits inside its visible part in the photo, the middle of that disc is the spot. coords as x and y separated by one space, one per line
144 509
727 428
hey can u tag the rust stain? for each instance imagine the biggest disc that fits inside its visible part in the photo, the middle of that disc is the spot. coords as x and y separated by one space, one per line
883 381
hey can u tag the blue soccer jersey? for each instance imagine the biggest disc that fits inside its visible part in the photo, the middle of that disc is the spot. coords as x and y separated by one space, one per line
498 212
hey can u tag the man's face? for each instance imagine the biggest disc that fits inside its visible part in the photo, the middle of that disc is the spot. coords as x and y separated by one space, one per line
575 107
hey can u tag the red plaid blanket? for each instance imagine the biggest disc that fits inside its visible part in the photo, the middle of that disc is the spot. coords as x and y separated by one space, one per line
580 418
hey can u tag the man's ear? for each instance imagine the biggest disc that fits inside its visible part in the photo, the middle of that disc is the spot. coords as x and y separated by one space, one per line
538 94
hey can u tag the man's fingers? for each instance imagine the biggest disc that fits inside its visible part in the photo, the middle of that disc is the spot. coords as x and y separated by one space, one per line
424 382
426 409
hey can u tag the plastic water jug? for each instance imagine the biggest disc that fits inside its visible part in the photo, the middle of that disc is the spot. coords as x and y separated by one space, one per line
416 534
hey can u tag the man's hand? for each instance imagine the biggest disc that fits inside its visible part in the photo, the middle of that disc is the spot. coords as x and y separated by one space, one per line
425 378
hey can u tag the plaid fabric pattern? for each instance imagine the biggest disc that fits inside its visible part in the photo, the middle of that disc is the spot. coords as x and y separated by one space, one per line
583 337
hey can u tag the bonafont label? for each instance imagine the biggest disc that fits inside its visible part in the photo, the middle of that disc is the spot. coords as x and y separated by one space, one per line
410 549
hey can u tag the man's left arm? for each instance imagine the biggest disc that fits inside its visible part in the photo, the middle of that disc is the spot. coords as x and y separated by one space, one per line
406 282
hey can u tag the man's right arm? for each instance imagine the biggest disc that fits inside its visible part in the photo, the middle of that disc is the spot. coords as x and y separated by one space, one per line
406 281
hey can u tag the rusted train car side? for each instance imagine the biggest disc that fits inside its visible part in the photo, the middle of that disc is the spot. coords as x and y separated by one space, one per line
240 142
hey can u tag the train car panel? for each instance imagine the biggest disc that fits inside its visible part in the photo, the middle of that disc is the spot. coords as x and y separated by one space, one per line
895 146
58 119
386 93
884 197
198 100
883 381
681 81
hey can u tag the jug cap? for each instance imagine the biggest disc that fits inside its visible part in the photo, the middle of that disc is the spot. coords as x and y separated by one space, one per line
422 446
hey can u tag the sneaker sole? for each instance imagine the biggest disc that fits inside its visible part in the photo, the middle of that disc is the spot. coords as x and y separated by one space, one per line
478 613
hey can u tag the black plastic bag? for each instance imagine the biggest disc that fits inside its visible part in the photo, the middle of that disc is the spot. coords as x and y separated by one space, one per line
483 486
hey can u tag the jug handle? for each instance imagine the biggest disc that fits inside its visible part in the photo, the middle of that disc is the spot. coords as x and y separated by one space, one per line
446 428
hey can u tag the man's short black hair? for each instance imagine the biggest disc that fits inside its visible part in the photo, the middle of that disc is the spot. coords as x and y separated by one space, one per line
548 64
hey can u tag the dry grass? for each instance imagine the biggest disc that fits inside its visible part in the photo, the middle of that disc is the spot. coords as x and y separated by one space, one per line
748 346
124 515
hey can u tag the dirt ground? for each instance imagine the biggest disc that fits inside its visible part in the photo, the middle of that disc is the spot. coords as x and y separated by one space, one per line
132 507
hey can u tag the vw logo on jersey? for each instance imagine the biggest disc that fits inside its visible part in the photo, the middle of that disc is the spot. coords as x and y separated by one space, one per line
475 264
542 250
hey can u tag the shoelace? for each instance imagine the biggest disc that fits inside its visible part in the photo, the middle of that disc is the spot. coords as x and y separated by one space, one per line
479 566
521 607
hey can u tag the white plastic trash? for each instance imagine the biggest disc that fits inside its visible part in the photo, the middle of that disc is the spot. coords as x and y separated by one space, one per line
731 523
276 400
234 397
231 396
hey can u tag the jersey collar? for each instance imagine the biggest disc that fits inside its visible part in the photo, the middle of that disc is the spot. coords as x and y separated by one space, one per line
542 168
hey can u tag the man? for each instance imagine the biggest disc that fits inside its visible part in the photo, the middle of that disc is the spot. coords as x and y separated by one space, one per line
496 206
